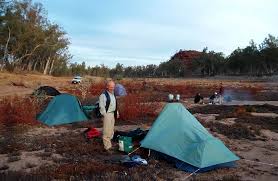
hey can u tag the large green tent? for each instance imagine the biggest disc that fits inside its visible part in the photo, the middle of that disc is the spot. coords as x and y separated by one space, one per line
177 133
62 109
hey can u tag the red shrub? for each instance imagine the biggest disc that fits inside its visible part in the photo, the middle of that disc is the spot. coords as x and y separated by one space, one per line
67 171
96 89
157 89
134 107
184 90
133 87
18 111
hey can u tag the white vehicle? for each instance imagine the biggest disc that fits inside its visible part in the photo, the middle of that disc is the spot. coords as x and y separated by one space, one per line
76 80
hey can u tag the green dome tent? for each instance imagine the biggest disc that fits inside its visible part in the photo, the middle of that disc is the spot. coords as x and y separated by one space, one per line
62 109
177 133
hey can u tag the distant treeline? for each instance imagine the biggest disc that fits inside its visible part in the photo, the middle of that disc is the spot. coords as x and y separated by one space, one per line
252 60
30 42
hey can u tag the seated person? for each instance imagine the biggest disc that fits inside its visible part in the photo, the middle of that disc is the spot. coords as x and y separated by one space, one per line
170 98
212 99
198 99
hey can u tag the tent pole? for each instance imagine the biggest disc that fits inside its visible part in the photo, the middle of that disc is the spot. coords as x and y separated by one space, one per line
192 174
134 151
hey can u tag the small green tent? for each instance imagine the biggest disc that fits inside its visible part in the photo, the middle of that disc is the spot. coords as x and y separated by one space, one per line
62 109
177 133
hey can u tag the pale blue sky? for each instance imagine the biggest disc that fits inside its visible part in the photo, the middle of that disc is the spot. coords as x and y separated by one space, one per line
140 32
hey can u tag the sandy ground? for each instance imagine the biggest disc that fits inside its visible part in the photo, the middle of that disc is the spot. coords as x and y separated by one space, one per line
29 82
243 102
273 115
259 159
8 90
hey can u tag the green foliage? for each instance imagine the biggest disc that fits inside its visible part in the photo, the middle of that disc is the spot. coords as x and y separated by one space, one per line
209 63
255 61
78 69
101 71
28 40
117 72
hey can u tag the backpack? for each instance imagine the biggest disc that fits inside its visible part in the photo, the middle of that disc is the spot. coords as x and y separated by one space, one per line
97 109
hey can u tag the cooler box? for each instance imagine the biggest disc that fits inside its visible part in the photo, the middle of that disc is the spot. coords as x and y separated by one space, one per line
125 144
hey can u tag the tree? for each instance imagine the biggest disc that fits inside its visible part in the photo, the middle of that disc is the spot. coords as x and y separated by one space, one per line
269 54
253 61
118 71
209 63
29 41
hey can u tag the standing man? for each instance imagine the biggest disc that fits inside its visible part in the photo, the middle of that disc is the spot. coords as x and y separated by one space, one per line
108 109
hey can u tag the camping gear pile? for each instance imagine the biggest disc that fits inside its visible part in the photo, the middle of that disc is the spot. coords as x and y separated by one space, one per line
126 140
128 161
90 133
136 135
88 110
132 161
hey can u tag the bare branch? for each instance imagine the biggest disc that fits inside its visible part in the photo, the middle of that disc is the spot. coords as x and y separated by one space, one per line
28 54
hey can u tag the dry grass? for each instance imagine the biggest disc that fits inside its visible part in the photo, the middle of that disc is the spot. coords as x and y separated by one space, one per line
227 110
32 80
4 167
246 126
28 82
13 158
234 131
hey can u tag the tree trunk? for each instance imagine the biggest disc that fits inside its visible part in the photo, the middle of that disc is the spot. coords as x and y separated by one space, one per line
30 65
41 66
35 65
46 66
5 56
22 67
51 67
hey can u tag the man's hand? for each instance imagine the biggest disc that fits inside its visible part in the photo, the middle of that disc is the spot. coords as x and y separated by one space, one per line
118 115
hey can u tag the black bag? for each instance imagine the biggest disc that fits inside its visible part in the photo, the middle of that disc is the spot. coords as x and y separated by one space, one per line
97 113
97 109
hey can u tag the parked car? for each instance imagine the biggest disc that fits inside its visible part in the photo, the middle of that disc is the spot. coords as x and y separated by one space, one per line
76 80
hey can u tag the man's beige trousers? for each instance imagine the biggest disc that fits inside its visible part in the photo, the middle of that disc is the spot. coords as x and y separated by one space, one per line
108 130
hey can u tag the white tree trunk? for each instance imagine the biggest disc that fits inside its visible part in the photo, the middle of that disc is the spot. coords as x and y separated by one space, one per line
5 51
30 65
35 65
46 66
51 67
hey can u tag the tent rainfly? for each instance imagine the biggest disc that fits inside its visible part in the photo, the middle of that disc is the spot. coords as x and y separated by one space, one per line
62 109
178 134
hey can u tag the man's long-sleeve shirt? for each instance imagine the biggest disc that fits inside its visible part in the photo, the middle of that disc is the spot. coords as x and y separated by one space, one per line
102 103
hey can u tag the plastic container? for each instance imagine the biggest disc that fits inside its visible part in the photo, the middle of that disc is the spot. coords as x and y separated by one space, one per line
125 144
